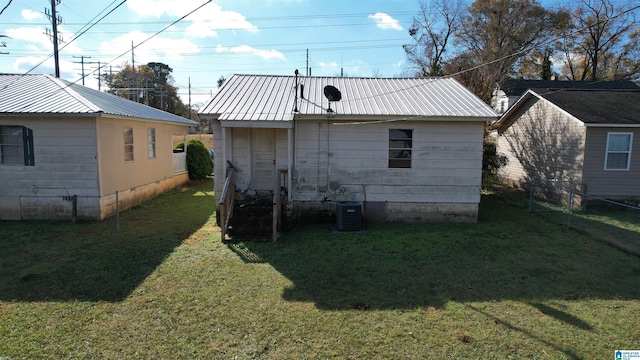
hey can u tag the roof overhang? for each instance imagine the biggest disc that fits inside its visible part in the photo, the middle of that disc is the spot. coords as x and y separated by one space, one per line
94 115
507 119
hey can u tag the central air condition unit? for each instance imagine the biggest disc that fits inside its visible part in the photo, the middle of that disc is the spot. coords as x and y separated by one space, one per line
349 216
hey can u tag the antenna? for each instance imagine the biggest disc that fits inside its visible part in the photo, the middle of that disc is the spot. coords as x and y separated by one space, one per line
332 94
296 98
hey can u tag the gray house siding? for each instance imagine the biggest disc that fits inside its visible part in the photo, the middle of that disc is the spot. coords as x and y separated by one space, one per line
543 143
344 162
65 163
611 183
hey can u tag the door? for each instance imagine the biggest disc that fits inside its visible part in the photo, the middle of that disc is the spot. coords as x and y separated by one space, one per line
263 159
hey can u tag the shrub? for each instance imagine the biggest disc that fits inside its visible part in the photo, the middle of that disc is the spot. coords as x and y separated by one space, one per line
199 163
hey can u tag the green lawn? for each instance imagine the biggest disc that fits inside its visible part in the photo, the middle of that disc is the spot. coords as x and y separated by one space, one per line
515 285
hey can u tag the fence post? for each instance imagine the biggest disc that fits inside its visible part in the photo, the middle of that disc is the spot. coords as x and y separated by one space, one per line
117 213
531 192
571 196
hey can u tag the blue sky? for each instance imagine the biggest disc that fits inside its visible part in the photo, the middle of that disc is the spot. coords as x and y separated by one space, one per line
362 37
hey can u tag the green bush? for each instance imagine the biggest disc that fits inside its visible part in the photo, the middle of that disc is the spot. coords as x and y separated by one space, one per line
199 162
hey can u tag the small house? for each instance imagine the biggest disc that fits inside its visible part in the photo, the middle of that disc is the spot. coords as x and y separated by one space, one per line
405 149
586 137
68 151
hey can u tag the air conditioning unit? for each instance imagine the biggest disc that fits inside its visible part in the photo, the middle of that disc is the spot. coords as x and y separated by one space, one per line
349 216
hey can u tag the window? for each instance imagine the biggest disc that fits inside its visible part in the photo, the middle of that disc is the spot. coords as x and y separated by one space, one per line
400 144
16 146
128 144
618 156
151 140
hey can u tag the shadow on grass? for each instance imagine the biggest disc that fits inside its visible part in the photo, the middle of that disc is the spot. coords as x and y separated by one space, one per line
602 225
509 254
90 261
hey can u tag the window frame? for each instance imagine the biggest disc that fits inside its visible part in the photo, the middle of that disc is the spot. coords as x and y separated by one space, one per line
151 142
628 152
128 146
397 163
25 145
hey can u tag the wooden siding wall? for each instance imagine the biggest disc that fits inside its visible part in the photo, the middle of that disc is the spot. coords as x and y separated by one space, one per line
349 162
239 153
543 143
608 183
65 165
144 177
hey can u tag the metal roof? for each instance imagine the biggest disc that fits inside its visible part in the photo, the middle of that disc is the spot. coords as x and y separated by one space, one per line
47 95
273 98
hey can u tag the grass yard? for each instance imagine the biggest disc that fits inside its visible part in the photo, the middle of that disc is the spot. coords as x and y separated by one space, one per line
513 286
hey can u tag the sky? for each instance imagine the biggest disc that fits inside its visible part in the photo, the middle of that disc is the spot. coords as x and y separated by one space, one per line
360 38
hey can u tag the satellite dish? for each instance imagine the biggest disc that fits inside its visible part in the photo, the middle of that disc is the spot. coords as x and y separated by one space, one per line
332 93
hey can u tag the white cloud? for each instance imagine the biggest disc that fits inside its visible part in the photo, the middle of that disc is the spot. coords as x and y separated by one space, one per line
30 15
331 65
248 50
34 36
385 21
156 49
204 22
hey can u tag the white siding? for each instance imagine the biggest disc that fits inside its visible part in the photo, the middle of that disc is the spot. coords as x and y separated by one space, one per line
65 164
350 162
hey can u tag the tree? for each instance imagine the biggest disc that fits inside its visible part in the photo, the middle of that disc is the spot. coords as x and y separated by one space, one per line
432 35
221 81
537 66
151 84
492 39
497 33
602 42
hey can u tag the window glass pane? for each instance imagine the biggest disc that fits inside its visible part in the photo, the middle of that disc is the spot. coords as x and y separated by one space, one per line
619 142
128 144
11 148
617 160
151 138
400 145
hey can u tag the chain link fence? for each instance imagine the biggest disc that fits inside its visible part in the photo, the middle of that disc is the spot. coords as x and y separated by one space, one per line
568 202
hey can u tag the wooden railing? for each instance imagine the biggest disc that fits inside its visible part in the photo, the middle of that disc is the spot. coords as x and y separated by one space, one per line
277 203
225 206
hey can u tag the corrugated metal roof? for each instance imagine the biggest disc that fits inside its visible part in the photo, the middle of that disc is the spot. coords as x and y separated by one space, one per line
272 98
45 94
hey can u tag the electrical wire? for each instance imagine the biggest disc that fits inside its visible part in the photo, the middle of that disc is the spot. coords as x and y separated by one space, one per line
89 26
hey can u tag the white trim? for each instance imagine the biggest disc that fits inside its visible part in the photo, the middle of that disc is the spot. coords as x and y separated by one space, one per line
628 152
256 124
614 125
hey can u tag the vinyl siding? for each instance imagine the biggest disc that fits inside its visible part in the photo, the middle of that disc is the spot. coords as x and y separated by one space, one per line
607 183
543 143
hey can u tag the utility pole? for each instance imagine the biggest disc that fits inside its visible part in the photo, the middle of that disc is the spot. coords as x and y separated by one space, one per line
99 76
81 57
133 70
189 97
4 45
55 20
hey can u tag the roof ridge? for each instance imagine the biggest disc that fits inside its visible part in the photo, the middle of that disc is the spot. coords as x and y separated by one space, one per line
66 86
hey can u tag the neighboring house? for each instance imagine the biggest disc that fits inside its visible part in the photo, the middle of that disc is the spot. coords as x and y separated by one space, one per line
408 149
66 150
589 137
506 94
